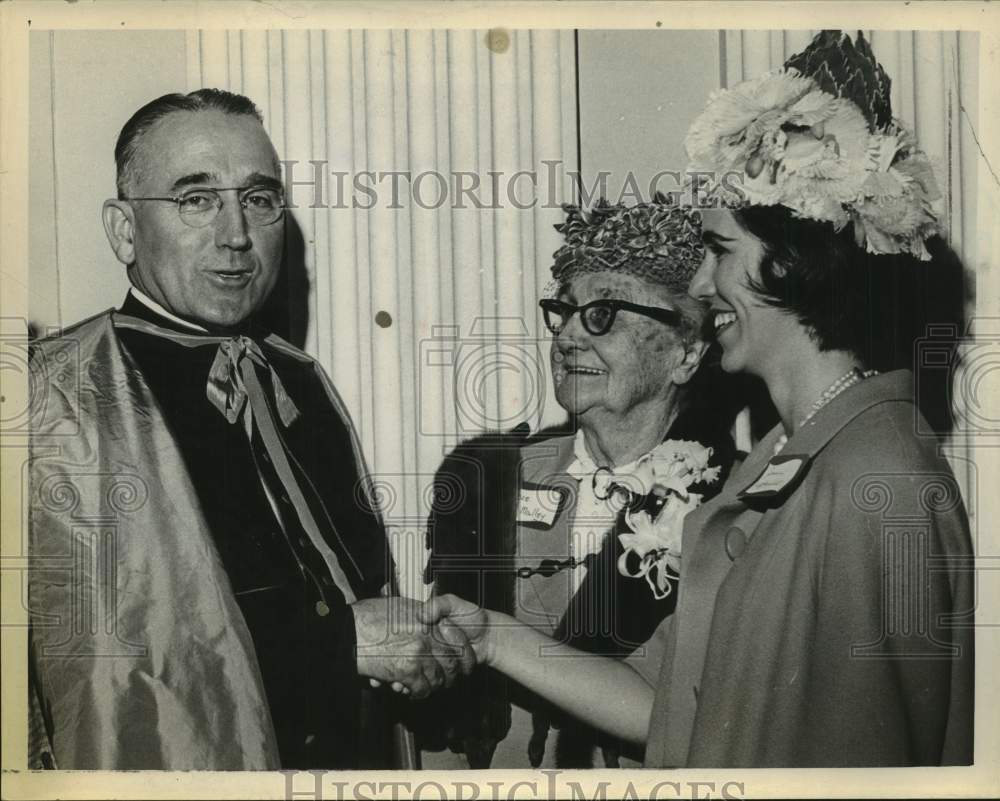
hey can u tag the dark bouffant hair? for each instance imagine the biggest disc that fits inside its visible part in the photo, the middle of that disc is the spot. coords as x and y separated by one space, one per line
146 117
878 307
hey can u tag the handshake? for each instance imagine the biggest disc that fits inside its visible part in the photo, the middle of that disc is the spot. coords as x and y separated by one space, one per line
419 647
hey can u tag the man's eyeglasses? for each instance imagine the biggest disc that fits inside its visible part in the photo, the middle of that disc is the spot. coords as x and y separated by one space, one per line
199 207
599 315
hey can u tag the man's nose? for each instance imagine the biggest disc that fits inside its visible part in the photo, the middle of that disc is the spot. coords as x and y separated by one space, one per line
231 228
702 285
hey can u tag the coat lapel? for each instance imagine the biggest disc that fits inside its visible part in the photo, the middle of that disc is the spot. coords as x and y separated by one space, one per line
709 552
541 600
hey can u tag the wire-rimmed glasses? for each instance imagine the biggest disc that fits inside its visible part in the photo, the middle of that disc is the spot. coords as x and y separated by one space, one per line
199 207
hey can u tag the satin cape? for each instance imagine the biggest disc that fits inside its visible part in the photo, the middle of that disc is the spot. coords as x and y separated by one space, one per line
140 657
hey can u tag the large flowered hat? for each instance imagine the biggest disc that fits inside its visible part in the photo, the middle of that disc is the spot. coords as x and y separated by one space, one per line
818 137
659 241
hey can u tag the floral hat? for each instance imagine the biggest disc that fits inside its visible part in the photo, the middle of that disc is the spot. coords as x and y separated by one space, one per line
658 241
817 136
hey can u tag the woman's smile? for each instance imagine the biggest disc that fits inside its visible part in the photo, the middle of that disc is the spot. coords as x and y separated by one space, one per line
722 320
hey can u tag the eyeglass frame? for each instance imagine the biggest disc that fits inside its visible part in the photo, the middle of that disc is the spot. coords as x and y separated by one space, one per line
552 305
244 190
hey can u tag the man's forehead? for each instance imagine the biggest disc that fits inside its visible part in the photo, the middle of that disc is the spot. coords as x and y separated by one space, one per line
254 178
210 147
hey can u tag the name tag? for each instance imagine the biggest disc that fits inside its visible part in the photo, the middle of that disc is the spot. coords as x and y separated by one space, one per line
538 506
780 474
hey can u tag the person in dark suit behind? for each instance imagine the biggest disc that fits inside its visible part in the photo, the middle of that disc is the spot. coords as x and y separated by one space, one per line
240 580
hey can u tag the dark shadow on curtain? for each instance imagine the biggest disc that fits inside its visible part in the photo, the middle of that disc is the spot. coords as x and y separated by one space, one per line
286 312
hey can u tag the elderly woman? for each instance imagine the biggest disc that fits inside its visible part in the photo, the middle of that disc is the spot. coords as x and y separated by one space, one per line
531 526
825 609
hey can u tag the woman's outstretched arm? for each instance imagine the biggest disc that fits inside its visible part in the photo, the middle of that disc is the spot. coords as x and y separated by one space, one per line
604 692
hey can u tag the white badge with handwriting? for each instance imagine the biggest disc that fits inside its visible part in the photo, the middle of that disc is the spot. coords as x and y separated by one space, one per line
538 506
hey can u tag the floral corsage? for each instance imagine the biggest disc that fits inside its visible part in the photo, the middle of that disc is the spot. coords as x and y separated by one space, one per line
668 471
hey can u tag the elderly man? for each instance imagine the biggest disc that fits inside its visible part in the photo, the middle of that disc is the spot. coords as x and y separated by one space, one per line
208 572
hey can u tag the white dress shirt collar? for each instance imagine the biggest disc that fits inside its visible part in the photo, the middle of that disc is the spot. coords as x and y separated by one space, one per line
149 303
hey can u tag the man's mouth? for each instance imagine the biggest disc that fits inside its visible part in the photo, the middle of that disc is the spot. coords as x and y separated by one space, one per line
579 370
231 277
722 320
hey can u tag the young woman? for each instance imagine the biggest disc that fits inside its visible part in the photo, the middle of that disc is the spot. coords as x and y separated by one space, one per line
824 612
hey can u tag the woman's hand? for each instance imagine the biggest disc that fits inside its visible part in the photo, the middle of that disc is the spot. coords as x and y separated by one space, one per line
604 692
462 620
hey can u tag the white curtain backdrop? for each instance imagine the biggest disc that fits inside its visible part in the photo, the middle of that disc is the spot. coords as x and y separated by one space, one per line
424 313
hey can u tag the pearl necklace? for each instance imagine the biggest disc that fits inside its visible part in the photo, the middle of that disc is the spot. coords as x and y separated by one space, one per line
846 381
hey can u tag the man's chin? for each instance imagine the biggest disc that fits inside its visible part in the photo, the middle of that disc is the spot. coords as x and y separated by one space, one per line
223 317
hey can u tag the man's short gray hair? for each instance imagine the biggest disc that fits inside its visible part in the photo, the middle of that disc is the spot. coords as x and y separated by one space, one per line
146 117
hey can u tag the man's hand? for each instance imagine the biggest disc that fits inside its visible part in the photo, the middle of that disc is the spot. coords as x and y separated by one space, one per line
395 644
450 611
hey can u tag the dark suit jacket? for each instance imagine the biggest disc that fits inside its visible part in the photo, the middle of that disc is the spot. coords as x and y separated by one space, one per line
307 662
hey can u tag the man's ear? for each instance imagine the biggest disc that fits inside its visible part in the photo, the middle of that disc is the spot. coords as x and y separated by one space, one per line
119 225
693 354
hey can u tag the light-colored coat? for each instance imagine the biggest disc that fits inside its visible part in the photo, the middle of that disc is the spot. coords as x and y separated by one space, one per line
828 623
